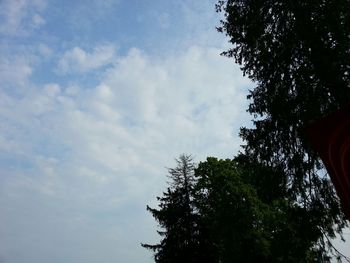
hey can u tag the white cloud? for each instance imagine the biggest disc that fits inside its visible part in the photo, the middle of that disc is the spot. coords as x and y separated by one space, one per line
77 60
18 17
44 51
14 71
142 115
94 157
85 16
38 21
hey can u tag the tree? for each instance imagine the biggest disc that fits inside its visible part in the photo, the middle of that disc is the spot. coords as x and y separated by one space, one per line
298 54
248 215
177 218
232 211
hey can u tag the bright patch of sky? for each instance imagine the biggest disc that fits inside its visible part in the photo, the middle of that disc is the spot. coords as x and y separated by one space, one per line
97 98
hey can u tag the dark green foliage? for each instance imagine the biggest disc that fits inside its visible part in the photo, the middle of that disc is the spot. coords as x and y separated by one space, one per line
298 54
248 216
232 211
176 216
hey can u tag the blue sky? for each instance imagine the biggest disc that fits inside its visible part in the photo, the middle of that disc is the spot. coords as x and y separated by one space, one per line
97 98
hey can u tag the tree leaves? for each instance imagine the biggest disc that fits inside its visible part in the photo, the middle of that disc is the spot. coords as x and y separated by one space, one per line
239 210
298 54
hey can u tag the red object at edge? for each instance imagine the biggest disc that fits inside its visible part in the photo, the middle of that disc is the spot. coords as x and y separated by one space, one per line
330 137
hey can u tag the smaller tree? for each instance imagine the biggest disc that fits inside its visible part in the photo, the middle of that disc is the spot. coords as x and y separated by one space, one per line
232 212
177 218
249 216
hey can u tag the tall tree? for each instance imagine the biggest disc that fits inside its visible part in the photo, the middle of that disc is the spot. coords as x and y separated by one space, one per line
298 54
177 218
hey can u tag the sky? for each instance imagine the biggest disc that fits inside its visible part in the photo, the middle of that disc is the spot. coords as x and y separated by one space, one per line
97 99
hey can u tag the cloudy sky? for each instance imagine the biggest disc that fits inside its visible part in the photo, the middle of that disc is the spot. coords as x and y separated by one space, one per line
97 99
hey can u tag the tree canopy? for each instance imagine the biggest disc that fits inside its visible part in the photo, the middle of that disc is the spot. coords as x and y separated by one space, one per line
298 55
239 211
249 216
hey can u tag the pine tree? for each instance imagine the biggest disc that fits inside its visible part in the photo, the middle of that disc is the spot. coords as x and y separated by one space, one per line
177 217
297 53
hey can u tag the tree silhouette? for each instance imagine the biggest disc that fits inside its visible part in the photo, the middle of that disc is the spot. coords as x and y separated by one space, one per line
249 216
177 218
297 52
232 211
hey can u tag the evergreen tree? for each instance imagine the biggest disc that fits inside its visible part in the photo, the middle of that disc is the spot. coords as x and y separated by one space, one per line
177 218
298 54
